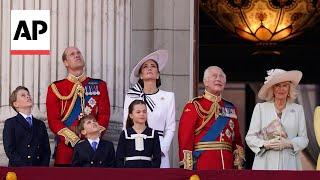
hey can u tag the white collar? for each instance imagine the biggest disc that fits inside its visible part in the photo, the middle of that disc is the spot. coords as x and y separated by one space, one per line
25 116
94 140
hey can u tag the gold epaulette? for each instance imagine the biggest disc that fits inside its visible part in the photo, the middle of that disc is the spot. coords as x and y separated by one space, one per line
69 136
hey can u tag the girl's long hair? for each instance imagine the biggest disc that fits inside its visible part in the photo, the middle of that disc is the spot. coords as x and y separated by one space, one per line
131 106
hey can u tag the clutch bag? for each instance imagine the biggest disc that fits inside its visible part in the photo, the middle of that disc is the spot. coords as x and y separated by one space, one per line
273 130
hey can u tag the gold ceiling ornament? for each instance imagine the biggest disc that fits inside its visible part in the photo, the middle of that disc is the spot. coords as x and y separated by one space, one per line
265 21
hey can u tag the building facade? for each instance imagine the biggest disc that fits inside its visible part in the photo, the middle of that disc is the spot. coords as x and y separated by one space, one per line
112 35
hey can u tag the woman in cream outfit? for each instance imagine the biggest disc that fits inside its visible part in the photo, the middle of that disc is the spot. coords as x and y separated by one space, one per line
160 104
281 152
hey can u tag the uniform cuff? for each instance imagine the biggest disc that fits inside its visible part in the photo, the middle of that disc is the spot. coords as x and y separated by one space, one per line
69 136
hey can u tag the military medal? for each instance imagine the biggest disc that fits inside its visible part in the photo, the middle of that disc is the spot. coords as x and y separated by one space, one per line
87 91
231 124
92 102
228 133
97 90
87 110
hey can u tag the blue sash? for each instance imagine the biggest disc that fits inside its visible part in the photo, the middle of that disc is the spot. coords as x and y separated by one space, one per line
76 110
215 130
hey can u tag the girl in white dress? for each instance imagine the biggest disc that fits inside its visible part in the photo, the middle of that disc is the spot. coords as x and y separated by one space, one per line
160 104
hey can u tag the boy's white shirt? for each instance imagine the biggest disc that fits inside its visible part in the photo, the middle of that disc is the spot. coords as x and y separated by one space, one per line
25 115
94 140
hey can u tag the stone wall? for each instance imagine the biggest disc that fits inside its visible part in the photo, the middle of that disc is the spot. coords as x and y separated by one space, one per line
102 31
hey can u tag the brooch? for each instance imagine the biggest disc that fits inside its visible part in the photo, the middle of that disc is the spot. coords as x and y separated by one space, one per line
92 102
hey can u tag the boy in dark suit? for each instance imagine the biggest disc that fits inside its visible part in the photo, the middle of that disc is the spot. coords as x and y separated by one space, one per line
25 138
92 151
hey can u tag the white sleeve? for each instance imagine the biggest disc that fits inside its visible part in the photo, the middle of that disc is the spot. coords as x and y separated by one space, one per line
170 125
301 140
255 143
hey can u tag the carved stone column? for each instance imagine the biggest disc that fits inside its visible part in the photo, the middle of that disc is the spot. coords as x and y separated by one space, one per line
100 28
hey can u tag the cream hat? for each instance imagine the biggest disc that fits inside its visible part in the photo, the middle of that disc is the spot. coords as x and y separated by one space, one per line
276 76
160 56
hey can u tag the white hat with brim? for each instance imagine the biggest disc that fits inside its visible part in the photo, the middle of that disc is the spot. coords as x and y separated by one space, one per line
276 76
160 56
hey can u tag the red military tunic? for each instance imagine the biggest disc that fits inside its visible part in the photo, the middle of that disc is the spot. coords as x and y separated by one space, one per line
66 99
225 151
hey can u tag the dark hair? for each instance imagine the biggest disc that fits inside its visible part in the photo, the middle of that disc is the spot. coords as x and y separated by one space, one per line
129 122
13 96
158 81
82 120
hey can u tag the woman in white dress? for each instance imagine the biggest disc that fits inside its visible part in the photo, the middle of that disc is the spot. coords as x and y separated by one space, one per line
277 130
161 104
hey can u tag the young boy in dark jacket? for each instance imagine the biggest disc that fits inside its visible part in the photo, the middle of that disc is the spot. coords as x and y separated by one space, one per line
92 151
25 138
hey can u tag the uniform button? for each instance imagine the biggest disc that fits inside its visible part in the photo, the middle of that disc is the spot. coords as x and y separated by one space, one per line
38 157
28 145
100 162
91 162
29 157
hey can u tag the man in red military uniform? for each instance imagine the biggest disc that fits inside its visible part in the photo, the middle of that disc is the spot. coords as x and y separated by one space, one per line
71 98
209 136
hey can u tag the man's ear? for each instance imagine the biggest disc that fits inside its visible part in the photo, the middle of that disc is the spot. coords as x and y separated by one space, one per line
15 105
83 132
65 63
205 82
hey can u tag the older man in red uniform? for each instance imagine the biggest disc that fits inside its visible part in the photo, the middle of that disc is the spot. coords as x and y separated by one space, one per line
71 98
209 135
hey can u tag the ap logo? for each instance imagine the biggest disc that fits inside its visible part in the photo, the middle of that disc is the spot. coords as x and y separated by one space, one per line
30 32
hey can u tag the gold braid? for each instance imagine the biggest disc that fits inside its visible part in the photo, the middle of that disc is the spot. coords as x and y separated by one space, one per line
77 90
214 110
57 93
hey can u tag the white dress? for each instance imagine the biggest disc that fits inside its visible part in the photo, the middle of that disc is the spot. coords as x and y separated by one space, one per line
293 121
161 116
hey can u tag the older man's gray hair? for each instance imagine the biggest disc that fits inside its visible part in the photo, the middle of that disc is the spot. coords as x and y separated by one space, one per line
206 73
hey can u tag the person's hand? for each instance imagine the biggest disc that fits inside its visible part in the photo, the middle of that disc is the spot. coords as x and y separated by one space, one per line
285 143
273 144
268 145
278 144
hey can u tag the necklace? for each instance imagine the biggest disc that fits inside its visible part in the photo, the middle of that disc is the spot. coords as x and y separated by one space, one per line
279 111
279 114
